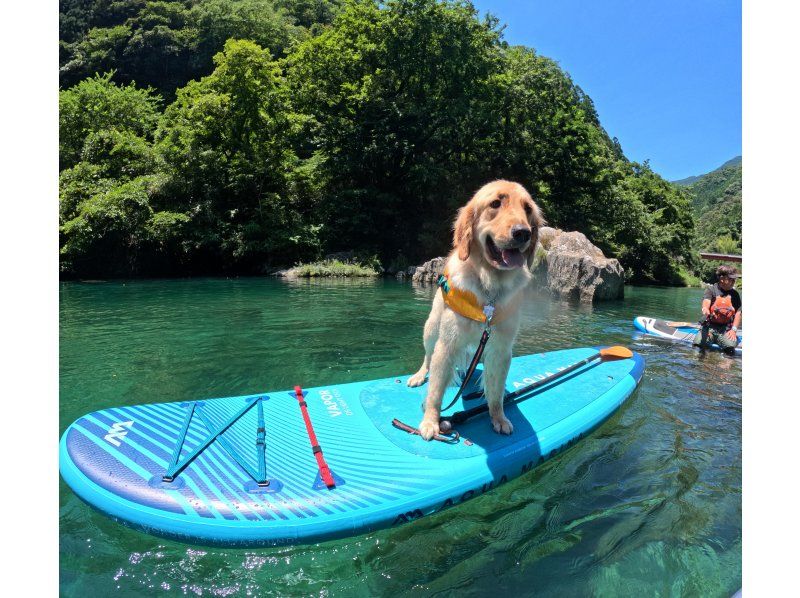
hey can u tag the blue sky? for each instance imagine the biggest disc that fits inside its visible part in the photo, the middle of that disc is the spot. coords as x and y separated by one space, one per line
665 76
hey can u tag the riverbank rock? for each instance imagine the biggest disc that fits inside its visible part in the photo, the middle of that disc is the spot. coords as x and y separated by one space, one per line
429 272
577 269
406 274
284 273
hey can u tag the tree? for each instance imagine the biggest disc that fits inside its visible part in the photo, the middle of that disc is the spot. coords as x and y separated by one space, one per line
260 21
116 232
100 50
98 104
78 184
162 49
226 141
166 43
652 229
396 95
106 235
311 13
545 133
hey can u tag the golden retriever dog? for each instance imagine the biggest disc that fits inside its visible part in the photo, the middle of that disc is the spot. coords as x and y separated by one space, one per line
493 245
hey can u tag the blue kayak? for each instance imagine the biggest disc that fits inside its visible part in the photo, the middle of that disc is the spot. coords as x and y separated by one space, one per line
666 329
241 470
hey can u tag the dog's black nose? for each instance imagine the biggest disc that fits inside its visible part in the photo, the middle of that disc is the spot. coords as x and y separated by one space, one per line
521 233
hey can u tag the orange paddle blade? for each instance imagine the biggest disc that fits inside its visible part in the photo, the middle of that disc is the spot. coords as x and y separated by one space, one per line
616 352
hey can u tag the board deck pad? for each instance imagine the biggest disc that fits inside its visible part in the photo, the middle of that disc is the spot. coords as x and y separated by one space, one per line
115 458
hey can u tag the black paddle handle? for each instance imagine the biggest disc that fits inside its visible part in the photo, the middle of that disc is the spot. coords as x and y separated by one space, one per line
462 416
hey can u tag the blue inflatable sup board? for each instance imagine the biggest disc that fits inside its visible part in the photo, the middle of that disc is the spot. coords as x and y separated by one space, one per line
664 329
242 470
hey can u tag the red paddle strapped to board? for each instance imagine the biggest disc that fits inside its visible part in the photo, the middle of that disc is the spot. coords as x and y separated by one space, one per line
324 470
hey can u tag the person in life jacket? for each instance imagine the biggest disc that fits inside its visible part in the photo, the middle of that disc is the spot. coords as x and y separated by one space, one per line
722 312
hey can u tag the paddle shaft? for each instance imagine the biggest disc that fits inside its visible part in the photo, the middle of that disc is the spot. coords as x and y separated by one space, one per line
685 324
698 325
514 397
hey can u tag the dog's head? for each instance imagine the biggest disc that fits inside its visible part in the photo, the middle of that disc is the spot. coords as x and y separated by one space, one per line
500 225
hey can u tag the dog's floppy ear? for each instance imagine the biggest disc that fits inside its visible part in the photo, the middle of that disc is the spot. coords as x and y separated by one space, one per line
536 221
462 236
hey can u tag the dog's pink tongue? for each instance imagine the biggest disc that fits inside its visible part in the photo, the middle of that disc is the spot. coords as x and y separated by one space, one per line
512 257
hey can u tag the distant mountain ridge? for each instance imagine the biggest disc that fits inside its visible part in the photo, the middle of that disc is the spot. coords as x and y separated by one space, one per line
737 161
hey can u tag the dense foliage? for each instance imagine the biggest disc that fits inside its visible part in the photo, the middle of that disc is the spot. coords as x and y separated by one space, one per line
230 135
717 205
717 201
164 44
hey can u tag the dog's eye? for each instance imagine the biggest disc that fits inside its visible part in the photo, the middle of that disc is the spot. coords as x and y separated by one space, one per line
528 208
495 204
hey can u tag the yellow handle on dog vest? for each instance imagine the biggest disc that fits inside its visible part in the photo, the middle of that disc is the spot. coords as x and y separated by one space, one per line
465 303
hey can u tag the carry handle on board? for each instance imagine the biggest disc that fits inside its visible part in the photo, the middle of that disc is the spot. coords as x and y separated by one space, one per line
606 354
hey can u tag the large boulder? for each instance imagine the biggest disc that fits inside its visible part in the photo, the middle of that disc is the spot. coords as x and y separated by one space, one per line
429 272
577 269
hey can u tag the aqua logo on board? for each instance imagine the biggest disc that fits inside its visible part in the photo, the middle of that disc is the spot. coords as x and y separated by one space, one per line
536 378
117 432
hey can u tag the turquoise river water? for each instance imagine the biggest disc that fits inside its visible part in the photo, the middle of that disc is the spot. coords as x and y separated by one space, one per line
648 505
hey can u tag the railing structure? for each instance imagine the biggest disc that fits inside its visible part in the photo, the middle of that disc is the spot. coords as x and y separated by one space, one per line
723 257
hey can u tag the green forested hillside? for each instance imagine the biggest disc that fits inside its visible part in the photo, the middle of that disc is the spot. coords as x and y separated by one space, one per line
227 136
167 43
717 204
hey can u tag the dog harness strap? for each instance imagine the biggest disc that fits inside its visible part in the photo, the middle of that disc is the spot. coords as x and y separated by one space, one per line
324 470
471 369
466 304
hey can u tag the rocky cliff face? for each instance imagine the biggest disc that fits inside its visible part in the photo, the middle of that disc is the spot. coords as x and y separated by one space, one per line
568 266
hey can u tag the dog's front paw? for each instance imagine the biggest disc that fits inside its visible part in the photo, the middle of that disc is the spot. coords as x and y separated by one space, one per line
428 428
502 425
417 379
